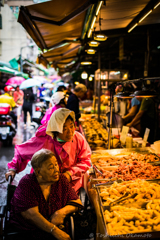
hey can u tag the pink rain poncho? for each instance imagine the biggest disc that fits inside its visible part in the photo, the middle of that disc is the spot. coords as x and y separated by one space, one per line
72 156
48 113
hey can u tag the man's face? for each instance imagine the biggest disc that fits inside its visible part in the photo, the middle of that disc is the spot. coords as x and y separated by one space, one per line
81 94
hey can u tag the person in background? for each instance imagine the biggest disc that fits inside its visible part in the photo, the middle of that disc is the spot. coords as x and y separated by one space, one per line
58 99
18 98
73 100
61 88
41 212
69 146
27 104
135 105
51 92
7 98
145 117
41 92
69 91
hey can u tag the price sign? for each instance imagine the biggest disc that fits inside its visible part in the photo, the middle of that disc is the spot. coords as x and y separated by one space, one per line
146 134
124 133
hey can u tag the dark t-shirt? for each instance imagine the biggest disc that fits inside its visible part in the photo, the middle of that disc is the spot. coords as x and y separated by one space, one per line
148 106
28 194
73 105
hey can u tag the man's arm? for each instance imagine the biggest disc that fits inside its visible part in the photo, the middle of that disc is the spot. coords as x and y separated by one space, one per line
132 113
136 120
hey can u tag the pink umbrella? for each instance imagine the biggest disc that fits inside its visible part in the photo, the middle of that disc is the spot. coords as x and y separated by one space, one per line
54 77
15 80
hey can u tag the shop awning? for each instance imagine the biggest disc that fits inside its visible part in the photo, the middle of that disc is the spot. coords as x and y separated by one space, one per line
37 66
8 70
56 27
51 23
65 54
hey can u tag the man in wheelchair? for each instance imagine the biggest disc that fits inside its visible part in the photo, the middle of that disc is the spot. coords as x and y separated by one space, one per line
42 200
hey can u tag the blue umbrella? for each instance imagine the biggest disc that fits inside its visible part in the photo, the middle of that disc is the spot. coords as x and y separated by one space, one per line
30 82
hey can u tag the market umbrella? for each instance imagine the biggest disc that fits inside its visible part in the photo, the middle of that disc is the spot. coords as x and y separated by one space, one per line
41 79
15 80
30 83
48 85
54 77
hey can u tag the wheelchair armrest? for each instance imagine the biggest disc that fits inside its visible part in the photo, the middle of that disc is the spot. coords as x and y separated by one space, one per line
2 211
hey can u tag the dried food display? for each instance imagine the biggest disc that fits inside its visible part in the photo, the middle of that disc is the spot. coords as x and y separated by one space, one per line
132 171
124 158
96 134
134 215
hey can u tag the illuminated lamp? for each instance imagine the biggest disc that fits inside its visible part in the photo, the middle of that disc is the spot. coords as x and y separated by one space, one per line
90 78
93 43
100 37
86 63
90 51
84 75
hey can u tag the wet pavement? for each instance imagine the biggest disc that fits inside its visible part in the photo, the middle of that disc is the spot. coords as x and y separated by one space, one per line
6 155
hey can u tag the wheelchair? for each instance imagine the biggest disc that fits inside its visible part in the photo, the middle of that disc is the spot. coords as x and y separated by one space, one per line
9 232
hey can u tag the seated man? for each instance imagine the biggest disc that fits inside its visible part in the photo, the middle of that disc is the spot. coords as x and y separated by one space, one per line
39 202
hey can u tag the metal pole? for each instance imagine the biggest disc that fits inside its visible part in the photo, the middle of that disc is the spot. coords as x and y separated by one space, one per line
21 62
110 120
99 87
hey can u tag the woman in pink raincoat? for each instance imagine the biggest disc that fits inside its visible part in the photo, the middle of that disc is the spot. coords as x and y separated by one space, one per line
70 147
58 99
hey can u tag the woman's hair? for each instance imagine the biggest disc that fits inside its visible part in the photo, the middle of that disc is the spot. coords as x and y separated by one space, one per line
40 157
62 101
69 117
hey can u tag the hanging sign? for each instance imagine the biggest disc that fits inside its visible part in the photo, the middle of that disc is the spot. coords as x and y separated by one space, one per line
124 133
145 138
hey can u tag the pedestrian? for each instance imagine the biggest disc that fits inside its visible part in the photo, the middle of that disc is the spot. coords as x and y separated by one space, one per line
27 104
73 100
18 98
69 146
7 98
58 99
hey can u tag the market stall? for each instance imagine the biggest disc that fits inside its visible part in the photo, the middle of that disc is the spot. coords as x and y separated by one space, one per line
124 189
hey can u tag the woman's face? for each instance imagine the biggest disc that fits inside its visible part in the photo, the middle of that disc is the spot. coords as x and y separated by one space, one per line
49 172
68 131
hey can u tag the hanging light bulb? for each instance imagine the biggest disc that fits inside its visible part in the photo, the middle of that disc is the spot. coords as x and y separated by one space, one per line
90 78
93 43
100 37
86 63
90 51
84 75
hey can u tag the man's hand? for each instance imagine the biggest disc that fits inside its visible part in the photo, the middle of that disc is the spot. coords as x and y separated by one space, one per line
58 217
12 173
67 176
60 235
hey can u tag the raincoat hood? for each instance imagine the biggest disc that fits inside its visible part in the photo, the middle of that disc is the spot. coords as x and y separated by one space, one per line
58 119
